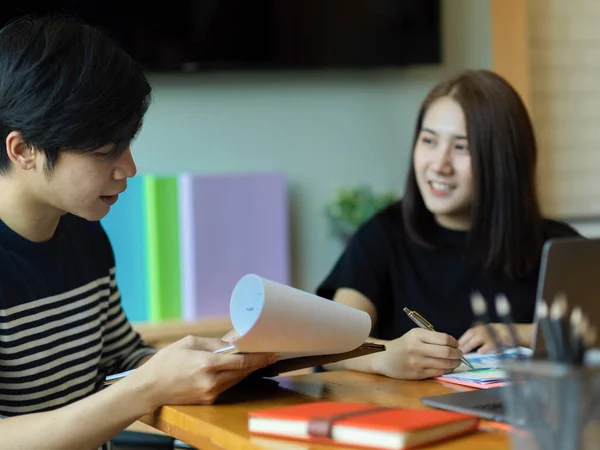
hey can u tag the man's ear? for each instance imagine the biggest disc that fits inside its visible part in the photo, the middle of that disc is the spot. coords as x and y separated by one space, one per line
20 154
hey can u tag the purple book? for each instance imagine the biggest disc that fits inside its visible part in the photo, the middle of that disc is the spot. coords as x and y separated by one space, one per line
231 225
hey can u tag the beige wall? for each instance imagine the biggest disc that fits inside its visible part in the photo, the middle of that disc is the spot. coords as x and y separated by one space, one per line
321 130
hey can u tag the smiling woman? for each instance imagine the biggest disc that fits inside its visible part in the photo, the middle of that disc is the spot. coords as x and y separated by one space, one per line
443 164
469 221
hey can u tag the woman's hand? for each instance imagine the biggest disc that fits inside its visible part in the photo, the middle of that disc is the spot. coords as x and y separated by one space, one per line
479 336
188 372
418 354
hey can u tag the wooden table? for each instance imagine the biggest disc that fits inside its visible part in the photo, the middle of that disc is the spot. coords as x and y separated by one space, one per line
223 425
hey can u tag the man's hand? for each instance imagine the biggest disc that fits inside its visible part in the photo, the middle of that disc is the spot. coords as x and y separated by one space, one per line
479 337
231 336
188 372
418 354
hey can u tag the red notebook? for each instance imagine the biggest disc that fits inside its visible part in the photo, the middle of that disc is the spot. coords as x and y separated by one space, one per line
360 425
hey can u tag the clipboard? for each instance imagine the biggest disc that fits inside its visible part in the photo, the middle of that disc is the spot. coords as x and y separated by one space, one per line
285 365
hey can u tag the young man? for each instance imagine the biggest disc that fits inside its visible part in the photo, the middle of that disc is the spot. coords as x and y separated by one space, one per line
71 102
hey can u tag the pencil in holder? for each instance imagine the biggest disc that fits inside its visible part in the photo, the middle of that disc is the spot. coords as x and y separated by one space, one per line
553 406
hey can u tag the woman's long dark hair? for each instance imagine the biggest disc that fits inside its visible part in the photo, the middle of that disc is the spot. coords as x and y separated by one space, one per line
506 234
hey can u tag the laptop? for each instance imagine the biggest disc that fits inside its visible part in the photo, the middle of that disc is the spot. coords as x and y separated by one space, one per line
570 266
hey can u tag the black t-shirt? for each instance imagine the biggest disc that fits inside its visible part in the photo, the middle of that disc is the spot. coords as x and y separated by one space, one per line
394 272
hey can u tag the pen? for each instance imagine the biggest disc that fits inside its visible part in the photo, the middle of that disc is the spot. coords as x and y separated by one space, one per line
479 308
503 311
547 331
557 315
423 323
578 327
227 350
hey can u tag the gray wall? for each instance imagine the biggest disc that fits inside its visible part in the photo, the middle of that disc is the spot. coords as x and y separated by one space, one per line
322 130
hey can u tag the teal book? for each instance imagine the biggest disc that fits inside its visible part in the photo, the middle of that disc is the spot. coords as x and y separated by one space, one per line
125 227
162 243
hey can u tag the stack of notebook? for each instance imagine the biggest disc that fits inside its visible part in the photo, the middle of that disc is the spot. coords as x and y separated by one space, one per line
488 371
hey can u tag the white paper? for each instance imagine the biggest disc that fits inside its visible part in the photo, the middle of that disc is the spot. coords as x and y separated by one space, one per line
272 317
275 318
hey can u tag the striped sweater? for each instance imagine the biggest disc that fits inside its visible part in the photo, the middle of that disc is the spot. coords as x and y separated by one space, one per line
62 329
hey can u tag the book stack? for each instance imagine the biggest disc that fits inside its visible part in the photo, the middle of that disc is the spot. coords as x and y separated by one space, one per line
182 241
488 372
361 425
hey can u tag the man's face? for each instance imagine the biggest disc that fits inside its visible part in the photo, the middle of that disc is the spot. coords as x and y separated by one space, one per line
84 184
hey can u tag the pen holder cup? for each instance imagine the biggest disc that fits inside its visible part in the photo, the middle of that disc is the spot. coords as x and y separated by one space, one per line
553 406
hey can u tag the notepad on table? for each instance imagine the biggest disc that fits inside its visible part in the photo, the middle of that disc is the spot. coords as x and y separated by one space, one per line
488 371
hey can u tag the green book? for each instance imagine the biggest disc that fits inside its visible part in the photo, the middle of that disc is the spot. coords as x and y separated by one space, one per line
162 237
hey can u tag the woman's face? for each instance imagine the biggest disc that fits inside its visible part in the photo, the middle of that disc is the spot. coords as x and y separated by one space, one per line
442 164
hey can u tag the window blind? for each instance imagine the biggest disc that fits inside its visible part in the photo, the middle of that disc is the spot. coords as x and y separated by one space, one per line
564 50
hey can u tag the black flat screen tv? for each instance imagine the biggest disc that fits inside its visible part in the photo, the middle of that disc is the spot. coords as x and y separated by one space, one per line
202 35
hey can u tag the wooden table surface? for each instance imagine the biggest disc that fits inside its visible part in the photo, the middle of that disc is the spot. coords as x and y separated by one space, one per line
224 425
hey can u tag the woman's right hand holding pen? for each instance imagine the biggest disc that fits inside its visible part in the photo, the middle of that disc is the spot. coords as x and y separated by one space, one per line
418 354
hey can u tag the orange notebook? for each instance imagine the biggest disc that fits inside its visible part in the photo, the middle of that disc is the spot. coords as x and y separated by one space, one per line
360 425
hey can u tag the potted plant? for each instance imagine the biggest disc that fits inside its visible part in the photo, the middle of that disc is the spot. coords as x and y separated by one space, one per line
352 206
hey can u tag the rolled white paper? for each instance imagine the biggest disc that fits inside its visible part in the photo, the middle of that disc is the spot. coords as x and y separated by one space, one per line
272 317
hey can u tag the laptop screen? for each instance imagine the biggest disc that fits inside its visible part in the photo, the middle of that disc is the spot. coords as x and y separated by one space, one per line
569 266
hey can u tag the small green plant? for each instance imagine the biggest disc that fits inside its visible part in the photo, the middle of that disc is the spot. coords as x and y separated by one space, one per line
352 206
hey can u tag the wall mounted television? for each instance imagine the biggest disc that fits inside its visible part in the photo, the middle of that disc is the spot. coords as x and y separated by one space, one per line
204 35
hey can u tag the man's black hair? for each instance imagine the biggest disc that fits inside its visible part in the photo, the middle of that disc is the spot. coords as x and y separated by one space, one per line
67 86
